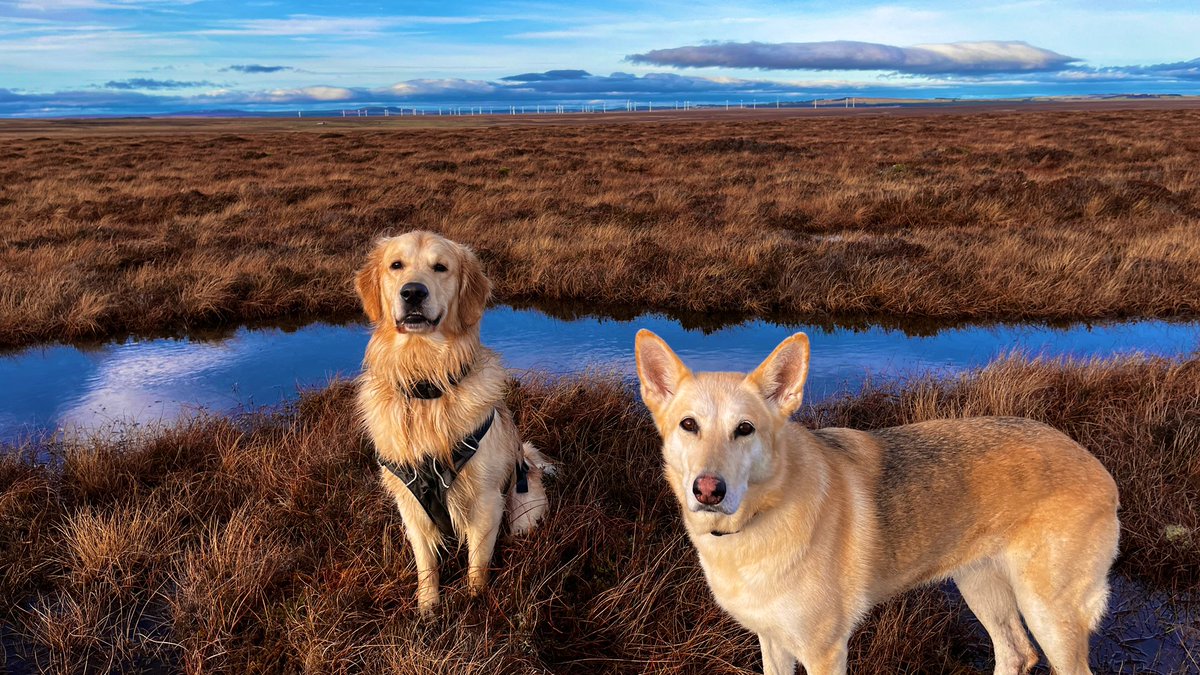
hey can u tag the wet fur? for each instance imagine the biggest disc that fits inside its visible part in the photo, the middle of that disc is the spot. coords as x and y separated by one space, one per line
406 430
834 521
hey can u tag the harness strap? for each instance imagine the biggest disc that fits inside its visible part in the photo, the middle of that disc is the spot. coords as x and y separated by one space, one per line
522 474
430 480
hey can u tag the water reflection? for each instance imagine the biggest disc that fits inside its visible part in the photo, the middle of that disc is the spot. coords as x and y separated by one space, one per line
152 380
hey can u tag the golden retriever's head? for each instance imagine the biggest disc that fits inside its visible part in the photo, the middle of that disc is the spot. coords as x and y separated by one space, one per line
423 283
721 431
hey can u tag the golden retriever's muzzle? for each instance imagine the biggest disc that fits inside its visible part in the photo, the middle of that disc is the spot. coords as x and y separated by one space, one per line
413 318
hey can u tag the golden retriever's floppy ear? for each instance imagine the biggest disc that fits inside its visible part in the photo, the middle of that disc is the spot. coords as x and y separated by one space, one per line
366 282
659 370
474 289
780 378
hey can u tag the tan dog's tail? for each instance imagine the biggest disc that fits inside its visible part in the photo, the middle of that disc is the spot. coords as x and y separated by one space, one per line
525 509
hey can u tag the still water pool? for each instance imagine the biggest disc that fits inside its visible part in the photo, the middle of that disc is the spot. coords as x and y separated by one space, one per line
154 380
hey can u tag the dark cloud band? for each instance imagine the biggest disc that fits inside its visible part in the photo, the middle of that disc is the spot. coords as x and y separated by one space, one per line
148 83
961 58
255 69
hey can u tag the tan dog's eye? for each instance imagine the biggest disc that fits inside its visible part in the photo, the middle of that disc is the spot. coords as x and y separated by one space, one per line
397 265
689 425
439 267
743 429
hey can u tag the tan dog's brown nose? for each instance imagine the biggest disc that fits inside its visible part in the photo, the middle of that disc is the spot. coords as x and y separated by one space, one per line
709 489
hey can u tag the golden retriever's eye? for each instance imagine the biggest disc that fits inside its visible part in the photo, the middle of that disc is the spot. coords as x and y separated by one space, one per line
397 265
743 429
439 267
689 425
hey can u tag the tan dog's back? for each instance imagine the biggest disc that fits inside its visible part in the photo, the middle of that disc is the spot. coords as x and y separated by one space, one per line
949 492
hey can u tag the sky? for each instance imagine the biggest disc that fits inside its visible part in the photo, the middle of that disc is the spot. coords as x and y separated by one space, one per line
64 57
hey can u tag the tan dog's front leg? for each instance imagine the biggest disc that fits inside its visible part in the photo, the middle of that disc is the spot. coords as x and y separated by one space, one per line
425 553
830 661
776 659
481 539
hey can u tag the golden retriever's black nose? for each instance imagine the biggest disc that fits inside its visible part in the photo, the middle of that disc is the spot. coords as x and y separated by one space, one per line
709 489
413 293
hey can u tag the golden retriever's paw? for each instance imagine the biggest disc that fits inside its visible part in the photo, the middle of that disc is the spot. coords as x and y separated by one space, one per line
535 459
477 579
427 604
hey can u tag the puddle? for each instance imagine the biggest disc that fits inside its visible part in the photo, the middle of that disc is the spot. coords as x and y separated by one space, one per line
1148 631
1145 630
144 381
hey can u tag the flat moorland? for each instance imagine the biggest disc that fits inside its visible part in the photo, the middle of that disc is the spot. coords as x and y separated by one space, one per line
991 214
264 543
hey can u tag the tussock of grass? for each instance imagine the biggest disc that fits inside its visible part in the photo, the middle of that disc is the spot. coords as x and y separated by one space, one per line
265 543
1047 215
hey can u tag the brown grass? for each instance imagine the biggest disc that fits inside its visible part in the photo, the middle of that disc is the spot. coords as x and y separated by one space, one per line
996 215
265 544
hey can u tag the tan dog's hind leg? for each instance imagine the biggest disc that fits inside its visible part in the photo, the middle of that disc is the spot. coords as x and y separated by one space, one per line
482 529
986 589
1062 589
776 659
1058 631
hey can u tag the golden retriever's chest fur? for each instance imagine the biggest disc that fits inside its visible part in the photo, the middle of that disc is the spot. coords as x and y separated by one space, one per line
407 429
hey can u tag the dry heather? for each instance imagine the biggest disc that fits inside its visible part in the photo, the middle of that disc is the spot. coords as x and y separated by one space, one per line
998 215
264 544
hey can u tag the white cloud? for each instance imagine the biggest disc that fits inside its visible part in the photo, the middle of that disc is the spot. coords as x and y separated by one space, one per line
306 94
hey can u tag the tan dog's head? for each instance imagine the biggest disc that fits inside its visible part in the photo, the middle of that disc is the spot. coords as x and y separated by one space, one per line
720 430
421 283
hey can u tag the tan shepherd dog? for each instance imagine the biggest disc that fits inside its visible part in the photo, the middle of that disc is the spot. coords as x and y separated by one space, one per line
801 532
432 398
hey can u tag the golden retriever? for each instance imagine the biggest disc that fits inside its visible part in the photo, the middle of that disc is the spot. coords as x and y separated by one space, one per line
801 532
432 398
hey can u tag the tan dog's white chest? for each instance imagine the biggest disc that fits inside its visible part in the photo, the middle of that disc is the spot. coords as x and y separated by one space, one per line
749 591
767 593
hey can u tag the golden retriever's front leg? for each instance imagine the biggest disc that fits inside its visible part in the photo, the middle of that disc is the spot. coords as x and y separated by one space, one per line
481 538
425 544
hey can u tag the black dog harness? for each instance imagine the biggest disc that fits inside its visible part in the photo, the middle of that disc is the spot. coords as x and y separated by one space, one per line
430 480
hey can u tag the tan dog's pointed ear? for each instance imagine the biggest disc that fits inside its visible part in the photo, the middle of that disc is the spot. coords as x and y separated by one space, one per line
474 289
780 378
366 282
659 370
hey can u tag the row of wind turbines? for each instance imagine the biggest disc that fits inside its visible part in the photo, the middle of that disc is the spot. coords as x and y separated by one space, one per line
561 109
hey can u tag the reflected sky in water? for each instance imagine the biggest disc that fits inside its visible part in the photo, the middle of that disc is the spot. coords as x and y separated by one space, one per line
149 381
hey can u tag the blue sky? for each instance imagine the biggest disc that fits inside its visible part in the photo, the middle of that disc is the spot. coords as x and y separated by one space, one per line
138 56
